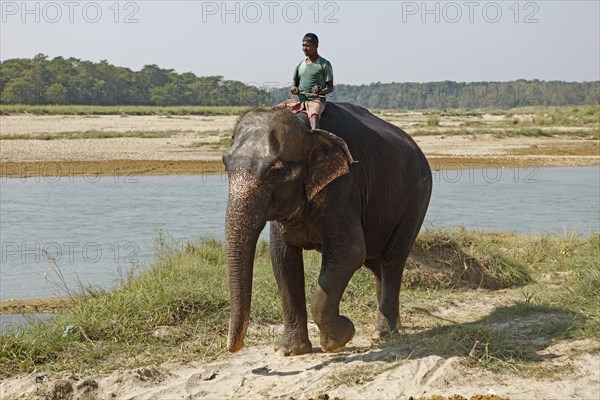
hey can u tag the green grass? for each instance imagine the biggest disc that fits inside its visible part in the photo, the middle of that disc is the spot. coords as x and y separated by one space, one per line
184 292
183 289
509 132
575 264
467 113
433 120
519 122
121 110
93 135
222 143
584 115
568 116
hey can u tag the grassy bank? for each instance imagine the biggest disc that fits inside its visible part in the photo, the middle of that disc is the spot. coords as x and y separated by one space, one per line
501 133
537 122
584 115
523 116
120 110
92 135
177 308
591 134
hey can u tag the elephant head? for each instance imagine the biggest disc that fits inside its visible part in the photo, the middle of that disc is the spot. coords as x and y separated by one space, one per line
275 165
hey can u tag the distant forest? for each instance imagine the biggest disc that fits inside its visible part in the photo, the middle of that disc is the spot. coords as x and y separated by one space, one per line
73 81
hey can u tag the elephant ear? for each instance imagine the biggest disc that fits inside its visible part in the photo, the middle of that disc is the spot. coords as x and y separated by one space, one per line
329 159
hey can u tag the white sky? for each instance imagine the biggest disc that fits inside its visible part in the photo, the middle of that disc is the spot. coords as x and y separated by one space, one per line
385 41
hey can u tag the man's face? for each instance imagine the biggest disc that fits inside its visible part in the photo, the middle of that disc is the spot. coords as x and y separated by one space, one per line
309 48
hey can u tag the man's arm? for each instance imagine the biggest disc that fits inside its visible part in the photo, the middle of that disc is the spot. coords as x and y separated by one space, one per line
327 89
294 90
328 80
295 81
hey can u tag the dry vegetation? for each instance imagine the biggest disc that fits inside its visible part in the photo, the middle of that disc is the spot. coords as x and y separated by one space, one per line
167 143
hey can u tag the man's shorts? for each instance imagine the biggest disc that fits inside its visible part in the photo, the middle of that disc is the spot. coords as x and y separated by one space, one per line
310 107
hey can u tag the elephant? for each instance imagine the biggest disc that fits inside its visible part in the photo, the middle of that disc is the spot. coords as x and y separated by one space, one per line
356 190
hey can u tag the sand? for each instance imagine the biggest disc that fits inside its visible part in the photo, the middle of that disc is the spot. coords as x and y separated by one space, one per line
256 373
194 144
363 370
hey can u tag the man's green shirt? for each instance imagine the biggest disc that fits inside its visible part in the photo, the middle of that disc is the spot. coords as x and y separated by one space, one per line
308 75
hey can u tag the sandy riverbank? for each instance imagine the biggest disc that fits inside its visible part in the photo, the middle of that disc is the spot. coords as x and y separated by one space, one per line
363 370
39 145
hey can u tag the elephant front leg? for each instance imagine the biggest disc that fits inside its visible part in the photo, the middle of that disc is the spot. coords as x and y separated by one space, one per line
339 265
288 268
335 329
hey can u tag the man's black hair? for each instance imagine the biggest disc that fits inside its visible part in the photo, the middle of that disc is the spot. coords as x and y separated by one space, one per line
311 37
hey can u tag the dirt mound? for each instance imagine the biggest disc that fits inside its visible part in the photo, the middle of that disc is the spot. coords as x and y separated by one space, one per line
68 388
444 265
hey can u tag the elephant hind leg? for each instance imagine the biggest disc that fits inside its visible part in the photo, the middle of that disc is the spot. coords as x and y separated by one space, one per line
396 253
388 318
381 326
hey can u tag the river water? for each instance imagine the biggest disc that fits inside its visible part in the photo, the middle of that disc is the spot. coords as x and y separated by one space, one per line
95 228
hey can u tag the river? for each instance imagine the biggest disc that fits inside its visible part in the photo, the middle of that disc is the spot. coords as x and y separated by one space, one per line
95 228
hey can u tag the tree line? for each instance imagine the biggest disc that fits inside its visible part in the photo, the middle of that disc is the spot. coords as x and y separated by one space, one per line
448 94
72 81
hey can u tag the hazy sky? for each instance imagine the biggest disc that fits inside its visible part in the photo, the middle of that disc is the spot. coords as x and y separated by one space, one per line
259 42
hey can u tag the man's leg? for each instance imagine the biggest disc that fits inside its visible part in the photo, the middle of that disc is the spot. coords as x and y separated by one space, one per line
289 103
314 121
315 109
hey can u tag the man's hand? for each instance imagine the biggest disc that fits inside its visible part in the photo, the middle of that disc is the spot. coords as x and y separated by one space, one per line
294 90
315 91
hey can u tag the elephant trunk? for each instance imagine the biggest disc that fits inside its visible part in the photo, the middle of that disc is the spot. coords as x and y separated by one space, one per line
244 221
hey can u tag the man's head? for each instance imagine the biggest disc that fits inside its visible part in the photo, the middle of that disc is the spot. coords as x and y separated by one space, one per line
311 37
310 42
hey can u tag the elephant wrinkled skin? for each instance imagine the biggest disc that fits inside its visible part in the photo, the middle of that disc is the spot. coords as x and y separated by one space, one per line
357 191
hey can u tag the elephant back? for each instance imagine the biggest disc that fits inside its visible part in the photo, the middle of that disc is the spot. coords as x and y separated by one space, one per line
369 134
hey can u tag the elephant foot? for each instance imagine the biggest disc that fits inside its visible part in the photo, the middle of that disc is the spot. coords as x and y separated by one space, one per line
382 331
293 348
335 336
383 335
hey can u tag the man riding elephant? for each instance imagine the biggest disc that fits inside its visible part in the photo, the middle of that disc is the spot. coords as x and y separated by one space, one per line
313 79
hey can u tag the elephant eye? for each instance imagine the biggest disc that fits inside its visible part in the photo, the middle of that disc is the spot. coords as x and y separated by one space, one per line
294 173
277 166
277 170
284 172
